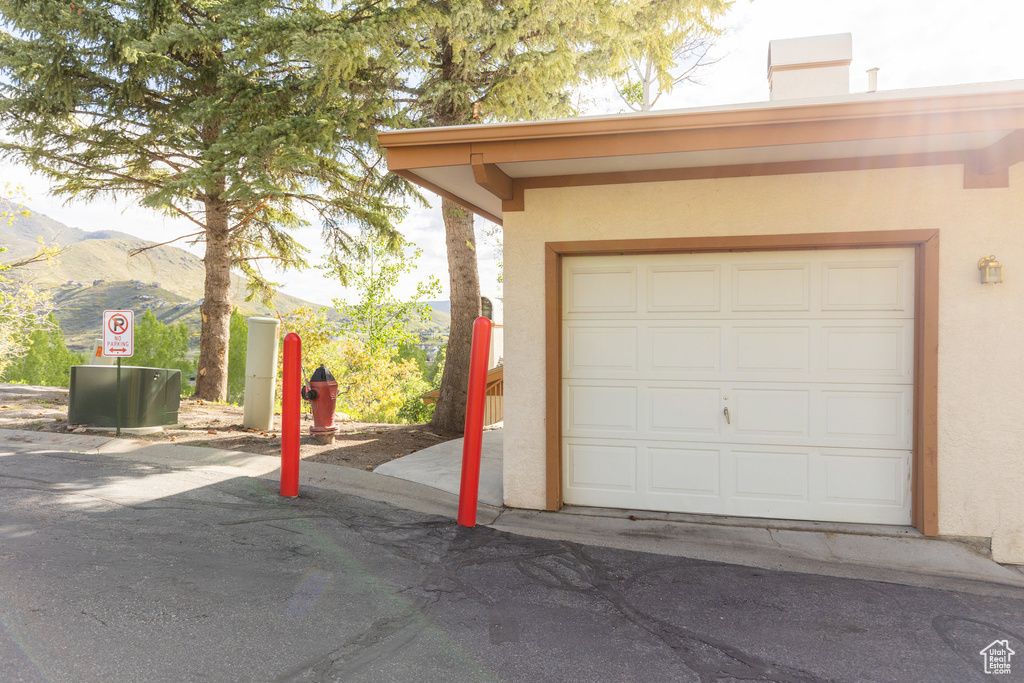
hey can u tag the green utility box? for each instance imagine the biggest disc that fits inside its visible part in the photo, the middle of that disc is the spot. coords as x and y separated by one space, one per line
149 396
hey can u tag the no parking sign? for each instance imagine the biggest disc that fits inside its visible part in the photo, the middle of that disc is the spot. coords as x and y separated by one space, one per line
118 334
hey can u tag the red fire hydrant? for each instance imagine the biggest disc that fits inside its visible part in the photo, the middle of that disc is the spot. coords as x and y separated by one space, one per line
322 393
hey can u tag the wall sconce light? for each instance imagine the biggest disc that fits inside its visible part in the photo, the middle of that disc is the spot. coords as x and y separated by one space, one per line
991 271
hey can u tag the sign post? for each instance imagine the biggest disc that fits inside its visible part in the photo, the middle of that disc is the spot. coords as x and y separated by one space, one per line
118 342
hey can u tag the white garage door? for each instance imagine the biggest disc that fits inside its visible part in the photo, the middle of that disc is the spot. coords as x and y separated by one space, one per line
765 384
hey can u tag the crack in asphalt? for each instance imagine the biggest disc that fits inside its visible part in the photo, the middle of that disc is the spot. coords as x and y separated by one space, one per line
442 588
560 566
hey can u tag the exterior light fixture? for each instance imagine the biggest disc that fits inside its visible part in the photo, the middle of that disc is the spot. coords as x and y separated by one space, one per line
991 271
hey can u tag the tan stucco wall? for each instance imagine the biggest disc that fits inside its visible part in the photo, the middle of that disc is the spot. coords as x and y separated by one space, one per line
981 350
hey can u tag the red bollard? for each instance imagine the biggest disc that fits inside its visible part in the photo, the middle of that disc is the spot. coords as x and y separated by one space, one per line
471 442
291 381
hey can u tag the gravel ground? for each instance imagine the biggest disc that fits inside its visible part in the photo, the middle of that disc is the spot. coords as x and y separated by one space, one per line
357 444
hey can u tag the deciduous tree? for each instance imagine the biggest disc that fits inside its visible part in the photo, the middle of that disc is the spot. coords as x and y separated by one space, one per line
668 48
48 360
23 308
158 345
377 317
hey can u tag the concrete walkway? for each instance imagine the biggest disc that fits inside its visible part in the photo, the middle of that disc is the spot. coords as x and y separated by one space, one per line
440 467
898 555
885 553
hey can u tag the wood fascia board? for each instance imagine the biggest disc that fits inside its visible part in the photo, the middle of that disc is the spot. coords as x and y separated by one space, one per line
982 104
744 137
490 177
427 185
402 158
689 139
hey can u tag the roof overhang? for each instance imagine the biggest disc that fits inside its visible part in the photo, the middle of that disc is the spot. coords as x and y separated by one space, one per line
487 168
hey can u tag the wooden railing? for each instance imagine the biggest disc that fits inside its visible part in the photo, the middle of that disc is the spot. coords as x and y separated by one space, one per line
493 405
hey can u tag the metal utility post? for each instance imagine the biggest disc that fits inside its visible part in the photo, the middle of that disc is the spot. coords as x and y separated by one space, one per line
118 397
291 405
119 341
472 441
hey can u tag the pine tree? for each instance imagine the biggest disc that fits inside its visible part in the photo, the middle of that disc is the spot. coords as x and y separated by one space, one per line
240 116
484 60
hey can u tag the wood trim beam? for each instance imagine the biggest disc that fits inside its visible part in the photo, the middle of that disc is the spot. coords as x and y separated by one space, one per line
490 177
924 478
974 179
517 203
990 167
1002 154
427 185
794 242
926 385
553 380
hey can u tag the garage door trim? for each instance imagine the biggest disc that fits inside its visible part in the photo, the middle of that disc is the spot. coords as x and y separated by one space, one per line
924 479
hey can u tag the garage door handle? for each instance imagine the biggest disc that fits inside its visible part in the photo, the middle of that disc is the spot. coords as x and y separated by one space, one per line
727 420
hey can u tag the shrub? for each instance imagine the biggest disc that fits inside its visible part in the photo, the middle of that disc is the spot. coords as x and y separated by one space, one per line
48 360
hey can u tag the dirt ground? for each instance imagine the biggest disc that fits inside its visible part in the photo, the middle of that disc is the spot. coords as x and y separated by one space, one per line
357 444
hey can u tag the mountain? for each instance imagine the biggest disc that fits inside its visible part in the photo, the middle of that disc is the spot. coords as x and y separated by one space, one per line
441 306
96 272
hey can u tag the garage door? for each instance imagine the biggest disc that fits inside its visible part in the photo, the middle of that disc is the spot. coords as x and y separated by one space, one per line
763 384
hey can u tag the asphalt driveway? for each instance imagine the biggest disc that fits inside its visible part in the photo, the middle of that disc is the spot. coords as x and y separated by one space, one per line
113 570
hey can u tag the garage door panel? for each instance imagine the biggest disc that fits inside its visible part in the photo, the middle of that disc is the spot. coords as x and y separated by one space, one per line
597 290
854 485
771 412
684 349
760 287
772 349
883 417
770 475
601 408
593 350
865 286
878 351
601 467
682 289
866 478
686 471
683 411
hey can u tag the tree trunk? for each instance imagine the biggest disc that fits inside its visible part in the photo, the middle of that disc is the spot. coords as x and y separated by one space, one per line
212 376
464 285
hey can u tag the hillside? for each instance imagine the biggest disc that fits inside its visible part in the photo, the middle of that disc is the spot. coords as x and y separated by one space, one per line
95 272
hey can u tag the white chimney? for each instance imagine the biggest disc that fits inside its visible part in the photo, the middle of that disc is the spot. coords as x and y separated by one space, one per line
817 66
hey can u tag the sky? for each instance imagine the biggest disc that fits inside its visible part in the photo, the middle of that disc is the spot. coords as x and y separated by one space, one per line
914 43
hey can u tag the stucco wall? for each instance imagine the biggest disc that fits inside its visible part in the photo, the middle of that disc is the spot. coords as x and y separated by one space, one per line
981 351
